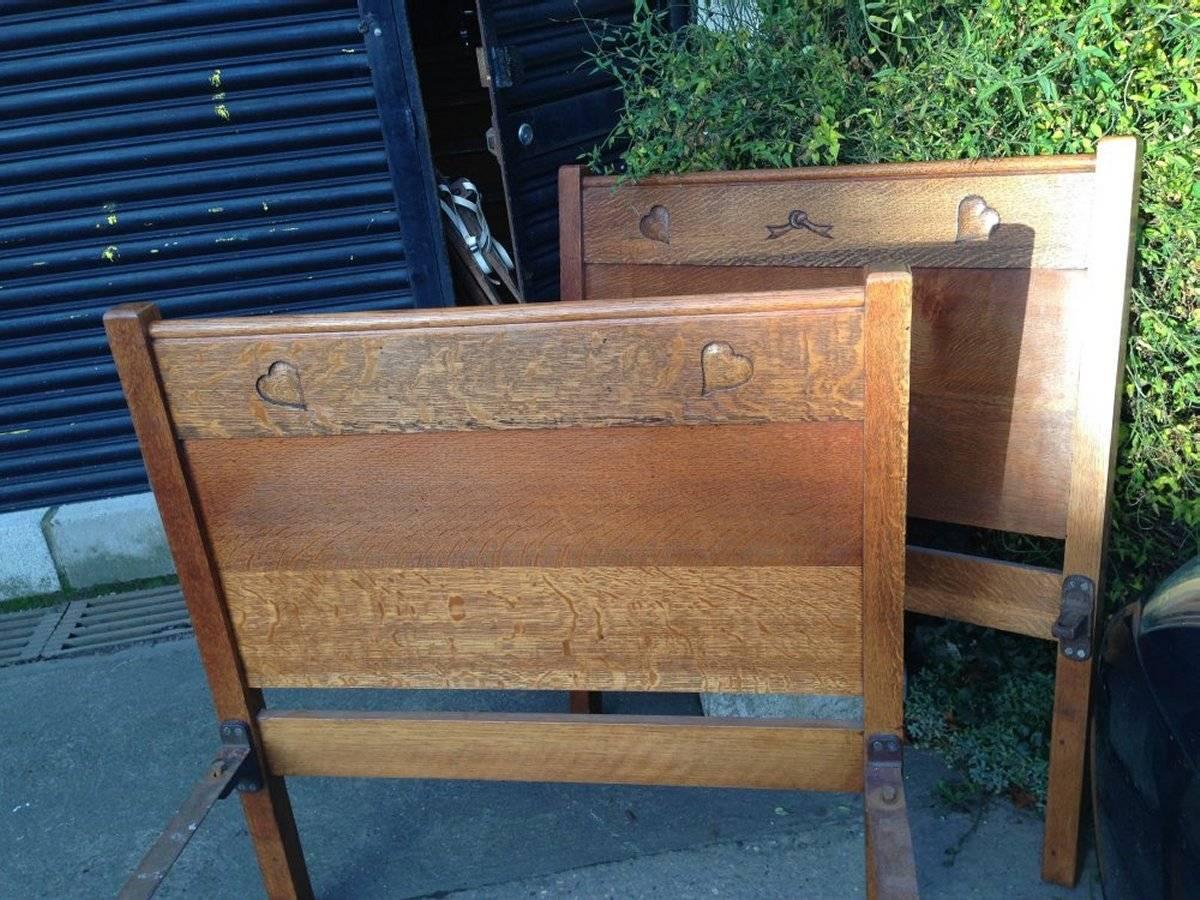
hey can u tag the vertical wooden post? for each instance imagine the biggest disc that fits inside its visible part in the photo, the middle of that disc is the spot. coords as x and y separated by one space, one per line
268 811
1093 461
886 333
887 329
570 287
570 232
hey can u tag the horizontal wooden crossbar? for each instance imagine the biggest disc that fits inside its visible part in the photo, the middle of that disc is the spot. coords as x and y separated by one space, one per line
1004 595
650 750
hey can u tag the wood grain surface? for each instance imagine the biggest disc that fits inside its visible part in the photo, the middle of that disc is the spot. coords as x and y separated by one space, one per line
788 494
803 365
502 316
662 750
1044 220
1093 463
982 591
625 280
885 464
994 360
1000 437
268 812
748 629
570 224
951 168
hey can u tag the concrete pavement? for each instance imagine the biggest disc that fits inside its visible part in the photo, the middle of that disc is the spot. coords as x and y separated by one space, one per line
96 752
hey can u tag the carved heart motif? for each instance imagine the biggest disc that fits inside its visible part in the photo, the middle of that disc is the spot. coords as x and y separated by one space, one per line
656 224
723 368
281 386
976 220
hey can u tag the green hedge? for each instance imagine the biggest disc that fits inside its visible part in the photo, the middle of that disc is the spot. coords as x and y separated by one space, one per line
774 84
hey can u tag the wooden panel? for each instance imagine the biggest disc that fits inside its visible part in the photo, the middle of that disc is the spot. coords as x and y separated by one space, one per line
994 362
1094 443
764 629
1012 597
773 366
268 812
788 494
989 466
885 463
664 750
842 220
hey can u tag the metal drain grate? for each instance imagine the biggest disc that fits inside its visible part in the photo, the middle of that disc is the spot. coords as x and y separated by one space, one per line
23 634
101 623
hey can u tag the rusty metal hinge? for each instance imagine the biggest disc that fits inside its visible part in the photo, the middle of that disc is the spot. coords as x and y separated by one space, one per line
235 767
888 836
1073 628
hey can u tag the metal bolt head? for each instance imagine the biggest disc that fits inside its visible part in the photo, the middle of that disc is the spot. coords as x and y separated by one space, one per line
893 746
889 793
876 746
525 134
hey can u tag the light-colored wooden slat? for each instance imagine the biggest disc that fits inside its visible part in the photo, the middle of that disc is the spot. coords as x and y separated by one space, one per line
1008 596
1093 462
885 464
787 366
661 750
787 494
1044 220
762 629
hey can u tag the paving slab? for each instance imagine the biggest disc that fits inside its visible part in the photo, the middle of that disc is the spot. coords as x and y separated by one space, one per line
96 752
26 568
109 541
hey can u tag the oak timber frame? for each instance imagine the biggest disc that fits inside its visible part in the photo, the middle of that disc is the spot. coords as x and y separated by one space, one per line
1021 272
653 459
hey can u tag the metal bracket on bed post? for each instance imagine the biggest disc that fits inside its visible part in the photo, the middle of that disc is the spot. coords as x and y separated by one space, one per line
1074 625
235 767
889 841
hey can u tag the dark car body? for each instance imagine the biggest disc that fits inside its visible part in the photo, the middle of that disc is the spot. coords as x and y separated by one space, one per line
1146 745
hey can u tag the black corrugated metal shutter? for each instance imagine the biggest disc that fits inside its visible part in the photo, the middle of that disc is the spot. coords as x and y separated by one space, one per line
211 157
542 79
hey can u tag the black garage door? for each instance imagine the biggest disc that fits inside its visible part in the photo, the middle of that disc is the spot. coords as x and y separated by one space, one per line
211 157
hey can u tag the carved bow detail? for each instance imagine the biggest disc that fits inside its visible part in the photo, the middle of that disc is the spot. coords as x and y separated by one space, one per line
798 219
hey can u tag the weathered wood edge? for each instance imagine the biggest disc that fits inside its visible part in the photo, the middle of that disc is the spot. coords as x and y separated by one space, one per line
268 811
525 314
1093 464
1020 165
887 341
